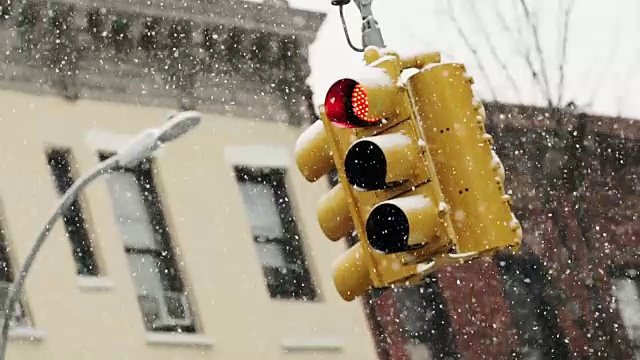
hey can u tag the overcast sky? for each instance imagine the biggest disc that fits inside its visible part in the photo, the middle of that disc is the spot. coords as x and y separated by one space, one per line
603 47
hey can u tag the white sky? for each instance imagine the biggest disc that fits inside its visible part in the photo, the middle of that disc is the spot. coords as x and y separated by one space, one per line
603 51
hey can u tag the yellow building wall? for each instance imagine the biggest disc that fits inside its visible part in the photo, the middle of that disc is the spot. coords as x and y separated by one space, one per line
98 318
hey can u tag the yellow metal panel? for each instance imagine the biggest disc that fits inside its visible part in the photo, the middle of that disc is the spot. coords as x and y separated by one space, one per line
452 122
360 204
333 214
351 273
312 152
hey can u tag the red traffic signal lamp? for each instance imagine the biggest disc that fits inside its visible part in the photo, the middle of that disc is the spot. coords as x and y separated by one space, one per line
347 104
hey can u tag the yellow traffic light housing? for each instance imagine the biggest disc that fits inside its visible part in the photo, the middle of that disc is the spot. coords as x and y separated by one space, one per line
398 174
471 174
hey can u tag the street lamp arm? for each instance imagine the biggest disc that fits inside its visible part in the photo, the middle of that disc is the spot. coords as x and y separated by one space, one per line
62 205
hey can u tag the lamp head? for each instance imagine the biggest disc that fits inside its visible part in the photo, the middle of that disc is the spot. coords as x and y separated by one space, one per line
178 125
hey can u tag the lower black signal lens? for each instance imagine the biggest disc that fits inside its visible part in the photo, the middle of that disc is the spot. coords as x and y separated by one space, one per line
388 229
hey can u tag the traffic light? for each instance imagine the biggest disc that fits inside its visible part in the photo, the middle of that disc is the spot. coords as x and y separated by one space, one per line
397 173
368 131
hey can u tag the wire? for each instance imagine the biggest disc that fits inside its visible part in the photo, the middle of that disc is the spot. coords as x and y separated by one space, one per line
346 32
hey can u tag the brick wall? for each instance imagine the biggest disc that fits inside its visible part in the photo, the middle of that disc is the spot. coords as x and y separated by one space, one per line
480 320
577 234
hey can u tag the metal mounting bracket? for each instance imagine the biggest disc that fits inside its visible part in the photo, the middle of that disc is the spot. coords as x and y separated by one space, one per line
371 34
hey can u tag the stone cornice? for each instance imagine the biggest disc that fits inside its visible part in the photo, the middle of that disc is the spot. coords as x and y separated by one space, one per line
280 19
155 55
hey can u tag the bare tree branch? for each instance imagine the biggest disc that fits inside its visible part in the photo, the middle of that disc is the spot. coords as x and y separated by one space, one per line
540 53
524 52
473 49
627 80
519 28
494 53
564 37
603 69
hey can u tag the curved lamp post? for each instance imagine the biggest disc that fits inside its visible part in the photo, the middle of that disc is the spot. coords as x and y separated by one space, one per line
130 154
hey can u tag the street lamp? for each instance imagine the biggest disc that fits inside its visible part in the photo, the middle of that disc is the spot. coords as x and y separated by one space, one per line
130 154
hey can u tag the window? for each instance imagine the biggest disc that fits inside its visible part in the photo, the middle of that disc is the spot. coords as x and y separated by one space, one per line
425 320
534 319
95 24
147 241
74 222
626 291
119 34
5 9
275 233
19 318
149 38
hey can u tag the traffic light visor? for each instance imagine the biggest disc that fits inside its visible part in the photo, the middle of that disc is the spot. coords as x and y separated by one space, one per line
347 104
402 224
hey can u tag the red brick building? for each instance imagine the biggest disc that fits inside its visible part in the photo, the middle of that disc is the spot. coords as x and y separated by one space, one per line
572 291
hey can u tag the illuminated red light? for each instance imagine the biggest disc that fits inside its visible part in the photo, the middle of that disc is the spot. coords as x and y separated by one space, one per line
360 104
347 104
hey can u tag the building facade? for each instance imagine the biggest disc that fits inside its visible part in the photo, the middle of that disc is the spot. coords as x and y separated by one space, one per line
572 292
209 248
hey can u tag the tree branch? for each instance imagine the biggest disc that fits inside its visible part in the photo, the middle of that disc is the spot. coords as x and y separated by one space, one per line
494 53
471 48
603 70
564 36
536 40
524 52
627 80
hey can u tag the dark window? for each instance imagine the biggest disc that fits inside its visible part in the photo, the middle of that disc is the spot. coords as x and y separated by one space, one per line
147 241
96 24
275 233
180 34
626 292
27 19
232 44
120 37
533 317
425 320
60 165
5 9
20 318
150 33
